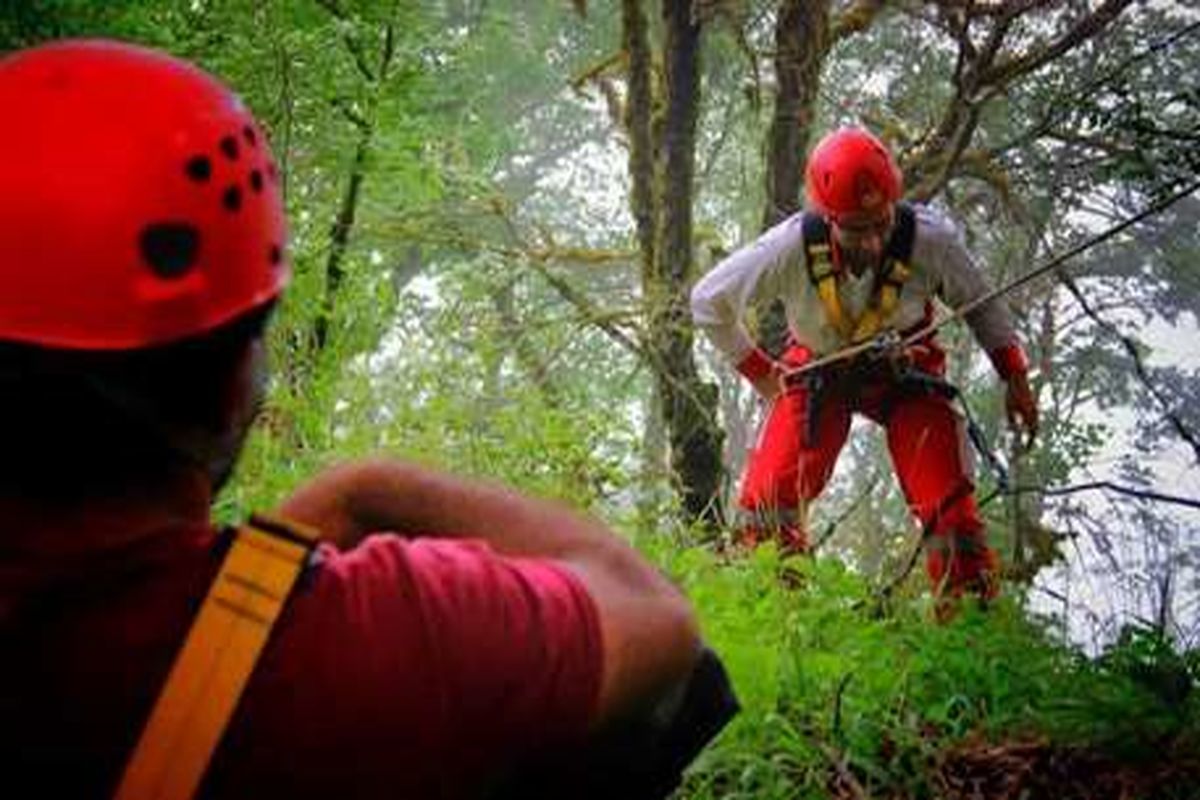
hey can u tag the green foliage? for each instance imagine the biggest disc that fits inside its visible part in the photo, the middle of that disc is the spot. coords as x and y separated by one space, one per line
448 347
828 676
447 388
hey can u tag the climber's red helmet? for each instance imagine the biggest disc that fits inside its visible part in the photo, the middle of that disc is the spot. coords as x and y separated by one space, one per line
851 173
139 202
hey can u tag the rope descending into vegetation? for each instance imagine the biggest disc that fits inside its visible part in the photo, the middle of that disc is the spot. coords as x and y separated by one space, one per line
1129 491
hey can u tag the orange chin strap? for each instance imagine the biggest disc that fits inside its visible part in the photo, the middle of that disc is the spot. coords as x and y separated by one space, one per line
217 659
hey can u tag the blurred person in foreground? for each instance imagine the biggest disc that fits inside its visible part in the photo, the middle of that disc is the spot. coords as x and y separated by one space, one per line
388 631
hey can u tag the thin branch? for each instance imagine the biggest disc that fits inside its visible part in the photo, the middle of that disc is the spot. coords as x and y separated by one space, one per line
714 151
585 307
836 727
887 589
1060 111
389 50
1139 367
838 762
354 116
1105 485
978 79
974 9
855 19
853 506
597 70
352 44
998 75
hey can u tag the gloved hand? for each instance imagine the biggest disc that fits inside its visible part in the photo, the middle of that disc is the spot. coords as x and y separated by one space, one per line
763 372
1021 407
770 385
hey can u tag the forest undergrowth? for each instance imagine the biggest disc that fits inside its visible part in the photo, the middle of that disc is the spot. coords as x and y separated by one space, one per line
845 696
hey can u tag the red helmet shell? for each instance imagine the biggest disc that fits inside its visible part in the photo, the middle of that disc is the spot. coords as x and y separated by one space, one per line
139 202
850 172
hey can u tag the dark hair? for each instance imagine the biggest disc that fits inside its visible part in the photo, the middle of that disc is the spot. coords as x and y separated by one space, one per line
79 423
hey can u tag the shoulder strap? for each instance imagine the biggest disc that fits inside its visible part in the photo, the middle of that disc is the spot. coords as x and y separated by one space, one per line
900 244
217 658
897 269
818 256
817 249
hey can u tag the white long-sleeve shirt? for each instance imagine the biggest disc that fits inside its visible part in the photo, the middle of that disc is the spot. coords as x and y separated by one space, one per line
774 266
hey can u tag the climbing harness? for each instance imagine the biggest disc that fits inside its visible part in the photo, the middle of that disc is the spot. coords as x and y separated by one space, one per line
882 341
215 663
818 249
644 760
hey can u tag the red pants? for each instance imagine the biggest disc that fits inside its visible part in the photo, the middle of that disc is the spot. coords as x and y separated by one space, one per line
805 430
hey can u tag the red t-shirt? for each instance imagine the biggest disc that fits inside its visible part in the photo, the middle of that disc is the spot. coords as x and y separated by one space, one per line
401 668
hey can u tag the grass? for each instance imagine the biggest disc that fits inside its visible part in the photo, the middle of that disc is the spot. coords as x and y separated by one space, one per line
845 698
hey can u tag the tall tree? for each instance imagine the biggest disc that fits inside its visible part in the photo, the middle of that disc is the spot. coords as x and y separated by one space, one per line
373 55
662 167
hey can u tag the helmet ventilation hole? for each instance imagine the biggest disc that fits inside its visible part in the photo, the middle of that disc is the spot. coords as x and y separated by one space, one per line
170 248
199 168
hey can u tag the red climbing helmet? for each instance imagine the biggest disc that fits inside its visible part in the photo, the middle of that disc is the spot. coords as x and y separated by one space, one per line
139 202
850 172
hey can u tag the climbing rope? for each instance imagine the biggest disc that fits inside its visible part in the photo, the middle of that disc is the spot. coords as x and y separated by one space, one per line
889 341
887 589
1128 491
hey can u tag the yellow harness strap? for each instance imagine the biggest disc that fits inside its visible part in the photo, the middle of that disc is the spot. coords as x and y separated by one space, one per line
821 271
887 297
884 303
217 659
824 277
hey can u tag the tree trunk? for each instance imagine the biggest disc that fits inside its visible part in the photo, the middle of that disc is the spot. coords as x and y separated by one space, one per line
662 165
525 353
654 460
689 405
339 238
638 110
375 77
801 43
